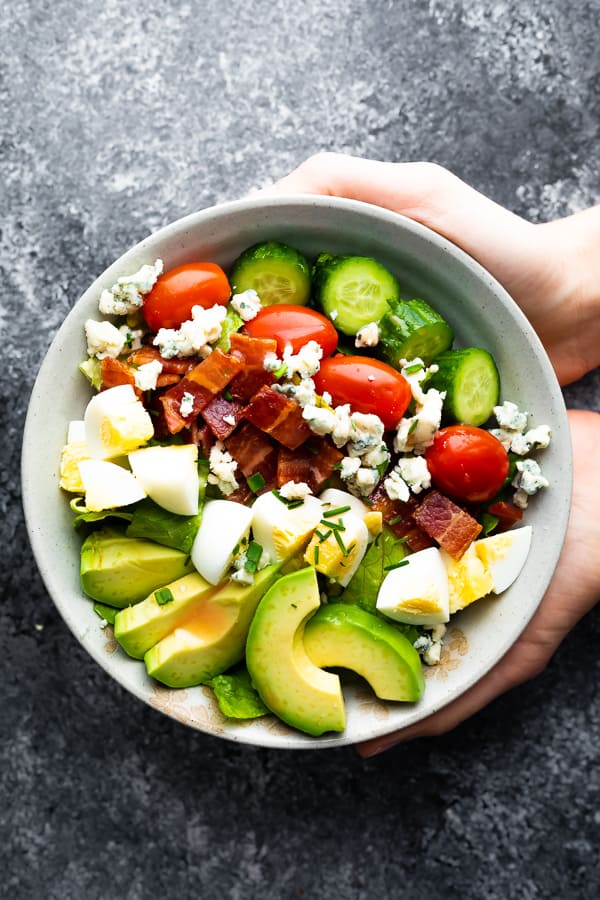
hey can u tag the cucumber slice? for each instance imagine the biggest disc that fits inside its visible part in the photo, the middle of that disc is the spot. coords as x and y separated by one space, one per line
412 328
472 384
278 273
353 290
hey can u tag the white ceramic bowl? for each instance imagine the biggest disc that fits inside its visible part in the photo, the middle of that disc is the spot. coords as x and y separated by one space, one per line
481 313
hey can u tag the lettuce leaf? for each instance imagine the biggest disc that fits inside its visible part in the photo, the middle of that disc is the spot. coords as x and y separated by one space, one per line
78 506
236 696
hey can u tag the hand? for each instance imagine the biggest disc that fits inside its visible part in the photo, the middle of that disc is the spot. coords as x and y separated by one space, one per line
553 272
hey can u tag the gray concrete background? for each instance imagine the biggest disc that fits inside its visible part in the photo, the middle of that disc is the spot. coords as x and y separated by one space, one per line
116 118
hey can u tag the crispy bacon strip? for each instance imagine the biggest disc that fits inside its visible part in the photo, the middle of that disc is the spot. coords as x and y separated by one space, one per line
175 366
253 451
507 514
113 373
313 463
217 410
171 403
448 524
252 352
216 371
399 518
278 416
202 436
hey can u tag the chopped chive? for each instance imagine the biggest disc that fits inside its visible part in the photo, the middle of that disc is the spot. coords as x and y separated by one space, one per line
398 565
227 394
163 596
367 500
291 504
316 555
254 551
336 512
401 540
323 537
335 526
294 504
413 427
250 566
395 520
416 367
336 468
256 482
236 549
340 543
294 605
280 371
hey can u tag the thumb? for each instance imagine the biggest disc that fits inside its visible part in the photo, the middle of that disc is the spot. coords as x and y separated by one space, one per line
500 240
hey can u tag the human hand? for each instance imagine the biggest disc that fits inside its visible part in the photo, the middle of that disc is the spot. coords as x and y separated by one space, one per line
553 272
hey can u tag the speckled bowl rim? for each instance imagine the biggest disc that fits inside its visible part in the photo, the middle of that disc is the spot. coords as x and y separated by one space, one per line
558 505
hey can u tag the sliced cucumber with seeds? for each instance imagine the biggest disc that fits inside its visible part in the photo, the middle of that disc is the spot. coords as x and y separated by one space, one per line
278 273
472 384
410 329
353 290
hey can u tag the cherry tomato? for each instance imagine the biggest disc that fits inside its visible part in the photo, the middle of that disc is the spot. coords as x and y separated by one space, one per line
368 385
467 463
170 301
295 325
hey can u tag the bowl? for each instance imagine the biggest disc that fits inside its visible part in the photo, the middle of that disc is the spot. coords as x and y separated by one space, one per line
428 266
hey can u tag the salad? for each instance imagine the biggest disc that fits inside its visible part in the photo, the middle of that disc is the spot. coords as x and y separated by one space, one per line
288 469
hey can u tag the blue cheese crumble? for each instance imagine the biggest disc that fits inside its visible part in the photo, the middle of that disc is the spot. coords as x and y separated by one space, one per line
247 304
222 467
194 336
186 407
128 292
528 481
146 376
295 490
367 336
103 339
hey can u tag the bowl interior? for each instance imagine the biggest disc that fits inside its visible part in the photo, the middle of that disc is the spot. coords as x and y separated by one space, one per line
481 314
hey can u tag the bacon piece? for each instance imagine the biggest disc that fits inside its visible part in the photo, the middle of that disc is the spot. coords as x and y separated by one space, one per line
252 352
253 451
507 514
216 371
313 463
399 518
242 493
202 436
175 366
215 413
448 524
114 372
171 402
278 416
167 380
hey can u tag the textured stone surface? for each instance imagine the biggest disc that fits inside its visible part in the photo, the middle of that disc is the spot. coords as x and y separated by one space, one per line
116 118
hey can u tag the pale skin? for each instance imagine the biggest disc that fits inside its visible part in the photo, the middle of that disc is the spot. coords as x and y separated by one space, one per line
553 272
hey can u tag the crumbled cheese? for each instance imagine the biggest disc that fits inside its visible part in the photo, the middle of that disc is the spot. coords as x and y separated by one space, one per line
510 417
377 456
271 362
364 481
523 443
437 631
193 336
430 646
367 336
416 433
417 377
103 339
243 576
306 362
133 337
229 419
349 466
538 438
528 481
320 421
295 490
222 469
433 654
327 398
304 393
505 437
395 486
146 375
366 432
413 470
247 304
103 623
127 294
342 426
186 407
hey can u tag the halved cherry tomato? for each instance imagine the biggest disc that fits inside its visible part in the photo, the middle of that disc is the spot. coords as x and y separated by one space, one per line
368 385
467 463
295 325
170 301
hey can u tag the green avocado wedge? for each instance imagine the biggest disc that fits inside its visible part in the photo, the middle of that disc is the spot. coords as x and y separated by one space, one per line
213 638
120 570
289 683
351 638
140 627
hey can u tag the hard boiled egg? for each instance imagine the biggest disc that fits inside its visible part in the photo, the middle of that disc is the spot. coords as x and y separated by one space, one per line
333 498
224 526
116 423
417 592
504 555
72 453
283 531
108 485
338 557
169 475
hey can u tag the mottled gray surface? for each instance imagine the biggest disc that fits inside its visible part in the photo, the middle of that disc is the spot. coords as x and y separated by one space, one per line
117 118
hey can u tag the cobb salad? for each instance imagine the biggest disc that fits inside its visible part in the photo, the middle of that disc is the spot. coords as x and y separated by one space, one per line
289 469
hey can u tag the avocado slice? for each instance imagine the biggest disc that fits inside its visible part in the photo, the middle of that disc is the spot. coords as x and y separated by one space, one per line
289 683
139 627
351 638
213 638
120 570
